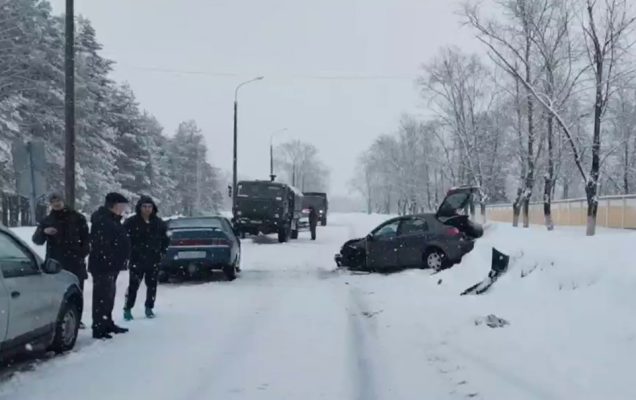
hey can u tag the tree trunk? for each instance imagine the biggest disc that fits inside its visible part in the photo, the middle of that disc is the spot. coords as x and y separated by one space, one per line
529 183
516 209
549 178
547 204
626 166
526 211
591 187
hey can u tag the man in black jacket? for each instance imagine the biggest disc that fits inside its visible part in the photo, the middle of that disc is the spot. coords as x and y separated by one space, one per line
149 242
110 249
65 233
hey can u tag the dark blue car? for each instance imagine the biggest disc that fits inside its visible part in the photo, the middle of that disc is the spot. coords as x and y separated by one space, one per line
200 245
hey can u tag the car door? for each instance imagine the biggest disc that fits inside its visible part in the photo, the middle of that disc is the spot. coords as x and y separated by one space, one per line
236 242
413 236
382 246
4 311
30 309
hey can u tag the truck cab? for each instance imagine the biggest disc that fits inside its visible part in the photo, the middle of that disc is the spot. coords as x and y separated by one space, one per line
318 201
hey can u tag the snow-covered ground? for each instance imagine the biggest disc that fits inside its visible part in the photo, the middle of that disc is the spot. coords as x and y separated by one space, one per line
293 328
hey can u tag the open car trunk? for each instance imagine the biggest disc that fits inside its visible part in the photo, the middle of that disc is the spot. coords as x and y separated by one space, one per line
453 211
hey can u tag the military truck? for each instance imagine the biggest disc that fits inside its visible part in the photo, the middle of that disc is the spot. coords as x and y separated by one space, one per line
268 207
319 202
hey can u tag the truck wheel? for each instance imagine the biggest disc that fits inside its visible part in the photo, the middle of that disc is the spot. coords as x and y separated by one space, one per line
66 327
294 234
283 235
163 277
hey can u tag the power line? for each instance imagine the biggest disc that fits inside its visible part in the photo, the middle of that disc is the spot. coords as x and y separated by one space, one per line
219 74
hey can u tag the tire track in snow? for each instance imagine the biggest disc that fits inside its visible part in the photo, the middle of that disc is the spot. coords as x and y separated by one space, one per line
362 349
232 349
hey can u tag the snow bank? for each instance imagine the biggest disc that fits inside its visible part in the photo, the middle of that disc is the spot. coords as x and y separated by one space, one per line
569 302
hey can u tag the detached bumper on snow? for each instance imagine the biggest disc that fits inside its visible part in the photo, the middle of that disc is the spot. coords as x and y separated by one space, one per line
338 259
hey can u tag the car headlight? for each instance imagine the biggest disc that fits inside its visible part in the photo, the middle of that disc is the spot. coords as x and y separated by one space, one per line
321 211
276 216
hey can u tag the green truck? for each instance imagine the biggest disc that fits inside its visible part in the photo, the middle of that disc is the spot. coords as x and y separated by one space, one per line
268 207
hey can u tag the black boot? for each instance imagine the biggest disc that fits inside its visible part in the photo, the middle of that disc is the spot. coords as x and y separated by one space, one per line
101 335
117 329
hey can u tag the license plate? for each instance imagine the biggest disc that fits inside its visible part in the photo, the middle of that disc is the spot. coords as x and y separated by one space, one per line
187 255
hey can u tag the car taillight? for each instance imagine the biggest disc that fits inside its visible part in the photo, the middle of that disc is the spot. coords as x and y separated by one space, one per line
220 242
453 232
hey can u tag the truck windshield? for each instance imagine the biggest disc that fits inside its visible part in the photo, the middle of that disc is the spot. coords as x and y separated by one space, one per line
259 190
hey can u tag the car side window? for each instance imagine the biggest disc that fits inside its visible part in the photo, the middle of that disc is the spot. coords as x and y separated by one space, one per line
387 231
14 260
413 226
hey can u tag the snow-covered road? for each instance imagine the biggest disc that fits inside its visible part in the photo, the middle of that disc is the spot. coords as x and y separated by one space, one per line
291 327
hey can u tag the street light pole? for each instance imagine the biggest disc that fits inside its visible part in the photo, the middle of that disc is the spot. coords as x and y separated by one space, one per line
69 106
272 177
234 166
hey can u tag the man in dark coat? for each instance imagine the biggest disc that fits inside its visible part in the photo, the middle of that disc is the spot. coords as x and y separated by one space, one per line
65 233
149 242
313 222
110 249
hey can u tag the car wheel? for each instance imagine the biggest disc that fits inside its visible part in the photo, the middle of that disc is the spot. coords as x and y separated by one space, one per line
323 222
230 272
294 234
66 327
163 277
435 259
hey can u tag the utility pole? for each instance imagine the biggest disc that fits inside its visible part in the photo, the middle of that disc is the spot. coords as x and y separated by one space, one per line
234 161
272 175
271 163
69 106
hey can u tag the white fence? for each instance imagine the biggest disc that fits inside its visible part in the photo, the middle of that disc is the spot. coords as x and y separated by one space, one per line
613 212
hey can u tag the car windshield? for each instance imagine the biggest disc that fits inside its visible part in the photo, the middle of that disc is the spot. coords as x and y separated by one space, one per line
259 190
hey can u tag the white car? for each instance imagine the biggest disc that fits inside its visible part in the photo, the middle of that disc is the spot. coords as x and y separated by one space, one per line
40 304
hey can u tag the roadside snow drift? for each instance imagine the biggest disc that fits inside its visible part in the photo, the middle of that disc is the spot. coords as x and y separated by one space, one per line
558 325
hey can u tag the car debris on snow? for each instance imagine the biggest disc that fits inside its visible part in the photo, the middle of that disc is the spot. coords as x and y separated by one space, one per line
492 321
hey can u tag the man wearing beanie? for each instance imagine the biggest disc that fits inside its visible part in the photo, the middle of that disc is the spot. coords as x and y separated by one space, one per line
110 249
65 233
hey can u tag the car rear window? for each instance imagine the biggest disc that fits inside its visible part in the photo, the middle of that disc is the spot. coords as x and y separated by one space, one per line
196 223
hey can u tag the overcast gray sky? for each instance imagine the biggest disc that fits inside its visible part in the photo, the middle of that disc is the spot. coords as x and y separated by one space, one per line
293 43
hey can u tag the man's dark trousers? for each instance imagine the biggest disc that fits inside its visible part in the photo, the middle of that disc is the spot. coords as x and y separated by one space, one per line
149 276
103 302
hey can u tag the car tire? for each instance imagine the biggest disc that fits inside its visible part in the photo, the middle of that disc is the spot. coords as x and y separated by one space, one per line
323 222
229 272
435 259
66 327
294 234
